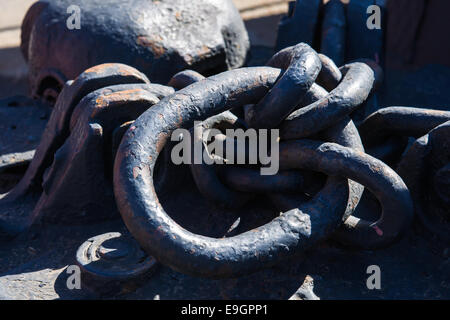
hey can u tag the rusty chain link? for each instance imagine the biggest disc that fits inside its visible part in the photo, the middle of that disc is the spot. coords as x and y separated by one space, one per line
112 120
272 94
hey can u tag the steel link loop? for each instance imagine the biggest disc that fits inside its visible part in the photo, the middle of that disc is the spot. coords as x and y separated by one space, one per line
111 130
270 94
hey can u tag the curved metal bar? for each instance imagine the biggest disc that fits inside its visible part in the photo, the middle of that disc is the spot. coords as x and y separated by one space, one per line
422 167
377 71
184 78
15 206
182 250
403 121
334 31
82 165
382 181
330 75
302 66
343 133
205 176
352 91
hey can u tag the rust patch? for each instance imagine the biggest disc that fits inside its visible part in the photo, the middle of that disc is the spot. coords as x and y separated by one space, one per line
157 49
124 95
204 51
136 172
161 142
100 68
121 69
126 71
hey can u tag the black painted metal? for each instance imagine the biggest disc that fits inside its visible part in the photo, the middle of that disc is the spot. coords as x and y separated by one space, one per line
160 38
205 175
302 66
351 92
300 24
400 121
113 263
424 168
112 118
294 230
337 29
184 78
63 180
334 31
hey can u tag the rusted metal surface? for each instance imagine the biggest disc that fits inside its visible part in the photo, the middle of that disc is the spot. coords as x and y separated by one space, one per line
63 180
337 29
334 31
385 132
250 180
81 166
343 132
113 264
400 121
302 67
330 75
161 39
425 169
386 185
300 24
325 112
138 202
184 78
354 231
204 175
182 214
83 142
300 227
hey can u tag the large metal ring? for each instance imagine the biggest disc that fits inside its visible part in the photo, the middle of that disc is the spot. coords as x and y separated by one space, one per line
182 250
343 132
